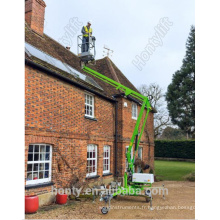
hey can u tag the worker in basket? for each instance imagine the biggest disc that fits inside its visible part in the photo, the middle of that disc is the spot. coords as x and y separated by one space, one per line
87 33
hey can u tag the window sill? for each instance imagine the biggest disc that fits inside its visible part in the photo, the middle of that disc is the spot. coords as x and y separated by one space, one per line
92 177
107 174
39 185
134 119
90 118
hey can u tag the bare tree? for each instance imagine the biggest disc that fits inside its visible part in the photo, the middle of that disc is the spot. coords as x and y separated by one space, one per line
156 97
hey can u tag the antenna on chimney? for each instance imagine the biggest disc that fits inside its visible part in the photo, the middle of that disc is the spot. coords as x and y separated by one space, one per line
107 51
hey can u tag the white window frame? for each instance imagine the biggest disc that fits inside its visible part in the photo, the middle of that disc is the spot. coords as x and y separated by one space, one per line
90 148
126 161
44 180
140 149
134 111
89 98
106 148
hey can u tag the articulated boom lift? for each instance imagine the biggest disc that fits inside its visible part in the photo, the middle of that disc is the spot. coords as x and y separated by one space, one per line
134 183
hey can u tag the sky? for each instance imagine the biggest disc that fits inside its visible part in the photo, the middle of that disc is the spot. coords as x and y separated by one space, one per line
126 26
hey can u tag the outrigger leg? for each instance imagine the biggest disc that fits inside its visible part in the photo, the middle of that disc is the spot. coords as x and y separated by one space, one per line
106 199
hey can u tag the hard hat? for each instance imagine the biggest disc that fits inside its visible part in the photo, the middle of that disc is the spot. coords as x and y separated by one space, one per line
89 22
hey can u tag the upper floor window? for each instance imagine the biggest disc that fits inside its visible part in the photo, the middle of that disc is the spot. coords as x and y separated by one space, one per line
91 168
106 159
134 111
89 105
39 163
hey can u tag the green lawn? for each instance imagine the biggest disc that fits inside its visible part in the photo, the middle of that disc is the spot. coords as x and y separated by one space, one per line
173 170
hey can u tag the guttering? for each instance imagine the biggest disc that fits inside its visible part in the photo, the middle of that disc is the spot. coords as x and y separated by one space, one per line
65 79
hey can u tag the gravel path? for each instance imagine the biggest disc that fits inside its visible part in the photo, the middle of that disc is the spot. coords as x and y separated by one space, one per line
178 204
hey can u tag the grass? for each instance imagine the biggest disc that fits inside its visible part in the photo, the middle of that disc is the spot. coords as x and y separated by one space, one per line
173 170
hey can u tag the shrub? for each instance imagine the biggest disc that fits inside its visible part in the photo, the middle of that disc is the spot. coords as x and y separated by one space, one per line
175 149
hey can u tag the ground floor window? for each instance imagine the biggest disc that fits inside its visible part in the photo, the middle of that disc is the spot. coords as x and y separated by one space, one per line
91 169
106 159
39 163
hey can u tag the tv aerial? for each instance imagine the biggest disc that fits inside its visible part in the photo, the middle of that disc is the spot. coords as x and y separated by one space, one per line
107 51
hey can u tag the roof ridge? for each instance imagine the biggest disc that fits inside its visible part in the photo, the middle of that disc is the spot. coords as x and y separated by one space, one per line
112 70
115 66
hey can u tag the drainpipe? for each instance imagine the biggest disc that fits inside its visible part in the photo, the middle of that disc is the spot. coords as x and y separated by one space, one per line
116 137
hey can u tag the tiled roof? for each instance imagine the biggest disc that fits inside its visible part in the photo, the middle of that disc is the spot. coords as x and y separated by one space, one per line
103 66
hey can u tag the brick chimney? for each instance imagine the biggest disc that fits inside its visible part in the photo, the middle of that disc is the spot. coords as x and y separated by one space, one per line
34 15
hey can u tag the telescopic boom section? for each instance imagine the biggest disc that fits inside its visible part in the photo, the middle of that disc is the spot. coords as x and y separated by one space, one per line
145 104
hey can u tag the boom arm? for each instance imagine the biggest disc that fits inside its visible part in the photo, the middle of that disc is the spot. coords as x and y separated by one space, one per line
145 104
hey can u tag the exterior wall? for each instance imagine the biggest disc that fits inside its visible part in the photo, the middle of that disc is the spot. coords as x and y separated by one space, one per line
54 114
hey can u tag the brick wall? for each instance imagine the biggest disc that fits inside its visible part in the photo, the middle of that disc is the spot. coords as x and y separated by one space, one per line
126 128
54 114
34 15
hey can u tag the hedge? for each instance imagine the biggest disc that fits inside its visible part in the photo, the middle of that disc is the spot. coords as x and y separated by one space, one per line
175 149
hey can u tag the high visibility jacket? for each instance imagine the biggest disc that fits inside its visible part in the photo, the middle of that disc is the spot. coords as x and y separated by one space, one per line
87 31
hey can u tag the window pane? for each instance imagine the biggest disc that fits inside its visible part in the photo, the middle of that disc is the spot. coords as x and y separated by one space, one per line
35 176
89 163
36 167
29 167
46 166
46 174
42 156
42 148
42 166
31 149
87 169
36 148
29 176
47 156
47 148
41 174
90 155
36 157
30 157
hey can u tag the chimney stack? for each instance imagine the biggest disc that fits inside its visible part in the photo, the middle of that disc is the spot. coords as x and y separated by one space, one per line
34 15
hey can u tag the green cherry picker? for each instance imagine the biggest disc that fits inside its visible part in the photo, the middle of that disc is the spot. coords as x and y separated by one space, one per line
134 183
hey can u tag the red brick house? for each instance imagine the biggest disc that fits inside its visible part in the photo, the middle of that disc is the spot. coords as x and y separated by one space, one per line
76 126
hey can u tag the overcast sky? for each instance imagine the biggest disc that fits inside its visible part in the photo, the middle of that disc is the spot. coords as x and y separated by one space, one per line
126 26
